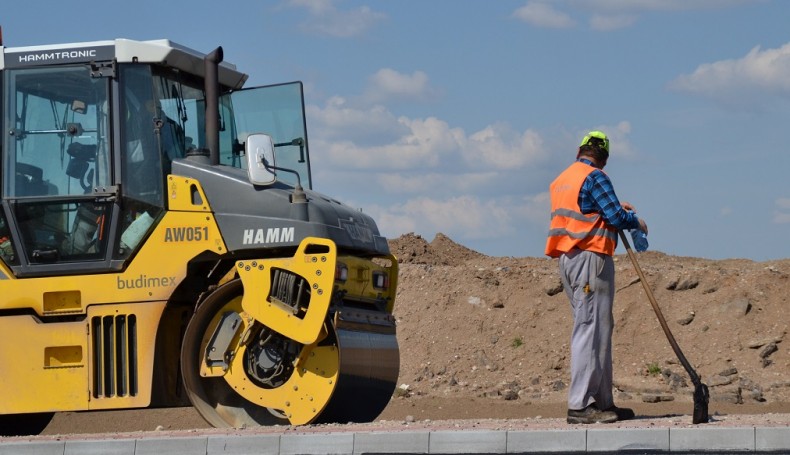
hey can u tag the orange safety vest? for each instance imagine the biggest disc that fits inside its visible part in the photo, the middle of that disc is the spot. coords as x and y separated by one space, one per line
570 228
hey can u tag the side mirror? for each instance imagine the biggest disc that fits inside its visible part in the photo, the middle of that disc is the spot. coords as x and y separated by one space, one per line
259 150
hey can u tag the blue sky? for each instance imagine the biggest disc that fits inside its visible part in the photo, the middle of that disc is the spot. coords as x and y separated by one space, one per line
453 116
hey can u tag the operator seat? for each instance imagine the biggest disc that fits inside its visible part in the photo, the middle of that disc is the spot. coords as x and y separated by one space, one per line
30 181
82 239
40 223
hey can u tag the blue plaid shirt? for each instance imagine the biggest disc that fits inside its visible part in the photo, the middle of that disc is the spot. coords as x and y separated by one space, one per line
597 196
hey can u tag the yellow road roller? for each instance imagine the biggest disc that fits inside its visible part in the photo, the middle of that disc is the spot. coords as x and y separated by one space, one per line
161 246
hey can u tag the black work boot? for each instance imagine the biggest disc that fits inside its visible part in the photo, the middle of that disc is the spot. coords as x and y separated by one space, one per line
591 414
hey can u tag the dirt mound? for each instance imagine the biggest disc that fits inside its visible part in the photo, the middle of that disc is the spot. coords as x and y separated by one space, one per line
470 325
413 249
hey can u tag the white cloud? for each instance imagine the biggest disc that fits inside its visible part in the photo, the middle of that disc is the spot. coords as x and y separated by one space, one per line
421 146
419 183
542 14
468 185
463 217
783 203
781 218
340 120
535 208
389 84
344 133
782 212
499 147
764 72
325 19
313 6
393 225
607 15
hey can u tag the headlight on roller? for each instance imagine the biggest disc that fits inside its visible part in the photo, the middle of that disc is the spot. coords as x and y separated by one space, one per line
381 280
341 272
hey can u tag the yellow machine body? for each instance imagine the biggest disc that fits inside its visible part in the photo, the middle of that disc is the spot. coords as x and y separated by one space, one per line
105 358
161 245
86 364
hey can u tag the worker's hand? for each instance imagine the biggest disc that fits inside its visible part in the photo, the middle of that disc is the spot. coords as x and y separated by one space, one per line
630 208
643 225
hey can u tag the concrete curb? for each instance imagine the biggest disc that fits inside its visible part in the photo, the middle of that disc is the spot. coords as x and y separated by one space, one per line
656 440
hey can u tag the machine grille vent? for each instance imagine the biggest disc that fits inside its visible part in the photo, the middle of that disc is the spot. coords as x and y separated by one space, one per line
114 356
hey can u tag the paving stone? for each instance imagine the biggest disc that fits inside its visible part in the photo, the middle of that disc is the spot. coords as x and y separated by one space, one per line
262 444
402 442
710 439
776 439
525 441
335 443
468 442
611 440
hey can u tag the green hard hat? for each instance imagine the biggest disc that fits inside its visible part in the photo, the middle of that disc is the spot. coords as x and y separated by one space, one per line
598 135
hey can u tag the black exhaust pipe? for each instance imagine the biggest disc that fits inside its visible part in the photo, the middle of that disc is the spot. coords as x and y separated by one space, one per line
211 68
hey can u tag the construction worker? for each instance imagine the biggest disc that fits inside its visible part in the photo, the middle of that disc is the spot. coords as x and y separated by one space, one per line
585 218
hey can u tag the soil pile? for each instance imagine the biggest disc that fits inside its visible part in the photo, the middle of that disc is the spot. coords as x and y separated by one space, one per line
474 326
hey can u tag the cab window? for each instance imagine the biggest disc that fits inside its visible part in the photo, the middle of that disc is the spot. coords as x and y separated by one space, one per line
56 155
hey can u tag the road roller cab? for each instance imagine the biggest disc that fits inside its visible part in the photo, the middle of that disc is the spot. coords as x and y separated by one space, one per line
161 245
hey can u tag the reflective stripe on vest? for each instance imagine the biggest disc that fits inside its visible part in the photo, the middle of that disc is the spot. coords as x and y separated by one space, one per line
569 227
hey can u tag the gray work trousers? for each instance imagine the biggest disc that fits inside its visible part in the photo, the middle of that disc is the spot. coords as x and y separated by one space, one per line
588 280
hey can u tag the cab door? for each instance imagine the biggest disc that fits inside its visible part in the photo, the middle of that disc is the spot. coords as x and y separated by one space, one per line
277 110
58 193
